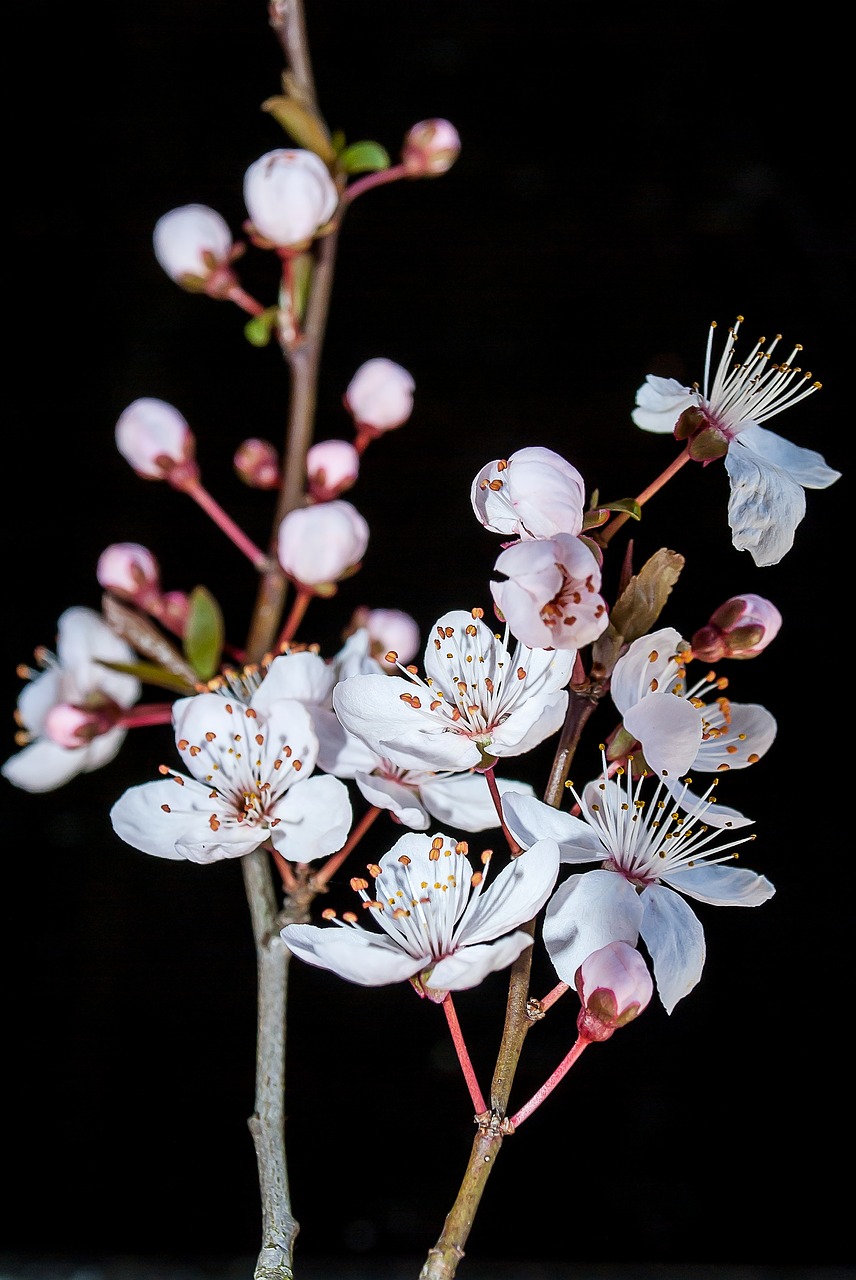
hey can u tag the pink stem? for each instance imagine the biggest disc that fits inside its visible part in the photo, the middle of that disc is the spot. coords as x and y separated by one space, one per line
333 863
547 1088
604 536
552 996
497 800
212 508
298 609
148 713
463 1056
372 180
243 300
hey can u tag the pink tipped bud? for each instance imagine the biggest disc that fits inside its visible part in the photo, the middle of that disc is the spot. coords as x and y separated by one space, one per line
289 194
332 466
156 440
131 572
173 611
740 628
379 397
614 986
390 631
320 544
430 148
257 464
194 246
72 727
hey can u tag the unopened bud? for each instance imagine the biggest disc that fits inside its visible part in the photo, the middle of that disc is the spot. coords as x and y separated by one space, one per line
173 611
131 572
289 194
257 464
614 986
430 148
156 440
740 628
332 467
194 246
380 395
391 631
320 544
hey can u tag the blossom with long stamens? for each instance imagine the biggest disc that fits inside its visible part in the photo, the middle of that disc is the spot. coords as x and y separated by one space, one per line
249 765
680 725
75 677
768 475
652 848
440 927
479 701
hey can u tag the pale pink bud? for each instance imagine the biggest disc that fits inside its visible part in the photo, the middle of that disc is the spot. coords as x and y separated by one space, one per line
534 493
257 464
380 395
157 441
318 545
614 986
193 244
129 571
430 148
740 628
289 194
332 466
70 726
390 631
550 598
173 611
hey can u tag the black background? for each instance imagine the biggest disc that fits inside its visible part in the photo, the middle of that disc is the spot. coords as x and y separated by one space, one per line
627 175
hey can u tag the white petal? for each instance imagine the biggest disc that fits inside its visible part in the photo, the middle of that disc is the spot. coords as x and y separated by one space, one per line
173 821
38 697
306 677
669 729
659 404
749 728
339 752
83 637
531 723
471 965
675 941
723 886
314 819
402 801
463 801
516 895
587 912
805 466
42 766
765 505
369 959
716 815
649 660
371 707
529 819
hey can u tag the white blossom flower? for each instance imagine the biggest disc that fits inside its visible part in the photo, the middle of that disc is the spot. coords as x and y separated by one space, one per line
289 194
380 395
534 493
648 849
75 677
320 544
676 727
441 928
192 243
479 700
767 474
550 598
250 765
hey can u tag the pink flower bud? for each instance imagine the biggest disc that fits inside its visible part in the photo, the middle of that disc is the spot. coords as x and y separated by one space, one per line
257 464
173 610
534 493
156 440
194 245
289 194
380 395
740 628
430 148
320 544
130 571
390 631
332 466
614 986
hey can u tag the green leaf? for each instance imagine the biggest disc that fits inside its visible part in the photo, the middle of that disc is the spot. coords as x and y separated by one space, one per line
364 157
598 514
149 673
307 129
203 638
258 330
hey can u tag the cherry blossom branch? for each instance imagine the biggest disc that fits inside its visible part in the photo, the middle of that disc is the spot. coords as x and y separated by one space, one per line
550 1084
334 862
463 1055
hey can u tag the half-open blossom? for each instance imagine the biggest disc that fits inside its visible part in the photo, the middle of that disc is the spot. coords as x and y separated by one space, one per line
767 474
73 678
430 148
550 598
393 634
439 926
740 628
156 440
682 726
289 195
652 848
614 986
194 246
332 467
479 700
380 395
318 545
249 781
534 493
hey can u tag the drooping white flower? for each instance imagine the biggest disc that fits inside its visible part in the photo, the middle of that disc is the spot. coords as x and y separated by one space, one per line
250 781
74 677
441 928
652 848
551 596
479 700
534 493
681 726
192 244
767 474
318 545
289 194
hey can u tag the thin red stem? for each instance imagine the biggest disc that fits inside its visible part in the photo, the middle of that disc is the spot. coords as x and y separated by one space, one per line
334 862
148 713
615 524
371 180
463 1055
497 800
548 1087
211 507
298 609
552 996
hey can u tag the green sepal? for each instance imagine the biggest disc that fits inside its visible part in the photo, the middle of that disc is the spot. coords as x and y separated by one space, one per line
597 515
306 128
364 157
149 673
204 634
259 328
